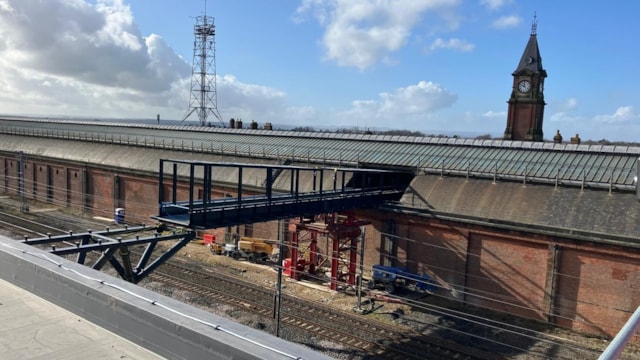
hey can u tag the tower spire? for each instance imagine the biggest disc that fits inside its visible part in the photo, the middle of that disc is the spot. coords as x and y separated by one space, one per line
204 96
534 25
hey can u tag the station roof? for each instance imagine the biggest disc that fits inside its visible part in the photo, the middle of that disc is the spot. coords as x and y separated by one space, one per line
604 166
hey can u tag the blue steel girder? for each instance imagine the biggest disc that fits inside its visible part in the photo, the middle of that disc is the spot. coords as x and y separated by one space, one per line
104 243
311 191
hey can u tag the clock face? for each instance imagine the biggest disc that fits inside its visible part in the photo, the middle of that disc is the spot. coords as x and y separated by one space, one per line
524 86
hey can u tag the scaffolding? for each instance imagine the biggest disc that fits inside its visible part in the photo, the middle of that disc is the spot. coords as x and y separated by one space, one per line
342 235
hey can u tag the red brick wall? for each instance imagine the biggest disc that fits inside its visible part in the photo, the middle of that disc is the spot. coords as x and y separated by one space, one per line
139 198
507 274
595 284
100 190
442 255
523 120
596 292
41 181
59 184
11 175
74 186
28 179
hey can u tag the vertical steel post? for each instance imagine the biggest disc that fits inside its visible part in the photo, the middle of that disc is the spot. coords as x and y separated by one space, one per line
637 179
23 201
335 256
291 181
359 284
116 191
174 186
84 185
313 252
269 184
353 258
160 186
191 190
293 265
278 296
239 189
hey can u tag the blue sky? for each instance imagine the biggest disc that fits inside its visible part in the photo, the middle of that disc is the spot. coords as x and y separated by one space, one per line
435 66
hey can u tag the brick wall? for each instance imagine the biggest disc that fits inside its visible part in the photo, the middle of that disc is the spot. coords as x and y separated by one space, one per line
590 287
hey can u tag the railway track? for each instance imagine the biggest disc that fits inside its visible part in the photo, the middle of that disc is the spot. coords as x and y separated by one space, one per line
367 337
23 225
356 332
383 341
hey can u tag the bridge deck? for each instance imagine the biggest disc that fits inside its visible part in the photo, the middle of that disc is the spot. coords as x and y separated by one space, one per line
358 188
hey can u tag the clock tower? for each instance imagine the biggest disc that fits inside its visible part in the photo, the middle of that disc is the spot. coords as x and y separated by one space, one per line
526 105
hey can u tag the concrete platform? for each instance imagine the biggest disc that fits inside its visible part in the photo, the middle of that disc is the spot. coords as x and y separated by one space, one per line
51 308
32 328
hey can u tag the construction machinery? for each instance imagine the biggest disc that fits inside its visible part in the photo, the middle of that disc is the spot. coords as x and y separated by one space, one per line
391 278
251 249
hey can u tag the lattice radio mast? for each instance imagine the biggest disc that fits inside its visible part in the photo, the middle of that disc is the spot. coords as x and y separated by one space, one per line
204 96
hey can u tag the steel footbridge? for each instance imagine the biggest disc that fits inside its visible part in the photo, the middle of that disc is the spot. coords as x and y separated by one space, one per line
267 192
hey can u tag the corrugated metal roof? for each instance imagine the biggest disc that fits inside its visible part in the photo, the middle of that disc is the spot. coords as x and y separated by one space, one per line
571 164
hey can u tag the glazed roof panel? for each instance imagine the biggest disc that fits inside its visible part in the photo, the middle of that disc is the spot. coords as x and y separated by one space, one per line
596 164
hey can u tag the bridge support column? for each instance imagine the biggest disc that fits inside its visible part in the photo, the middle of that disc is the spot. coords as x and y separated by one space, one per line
313 252
293 265
335 257
126 263
353 258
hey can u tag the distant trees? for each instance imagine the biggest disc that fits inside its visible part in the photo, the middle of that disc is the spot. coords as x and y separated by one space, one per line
356 130
607 142
487 136
303 129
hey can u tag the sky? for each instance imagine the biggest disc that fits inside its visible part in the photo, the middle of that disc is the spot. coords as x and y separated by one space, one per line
433 66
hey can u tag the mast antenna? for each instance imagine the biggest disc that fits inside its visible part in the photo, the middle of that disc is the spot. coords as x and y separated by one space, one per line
204 95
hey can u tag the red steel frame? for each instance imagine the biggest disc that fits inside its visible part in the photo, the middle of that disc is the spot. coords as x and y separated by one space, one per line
349 230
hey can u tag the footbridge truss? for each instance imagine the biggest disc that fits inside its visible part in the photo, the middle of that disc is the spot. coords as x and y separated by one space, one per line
106 244
187 196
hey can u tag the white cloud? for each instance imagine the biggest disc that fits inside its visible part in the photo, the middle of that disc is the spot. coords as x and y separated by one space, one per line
453 44
74 58
264 102
119 28
68 57
565 117
495 4
568 104
622 114
359 33
506 22
495 114
408 105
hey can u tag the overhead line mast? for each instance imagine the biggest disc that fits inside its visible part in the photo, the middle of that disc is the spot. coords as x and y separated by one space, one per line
204 95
